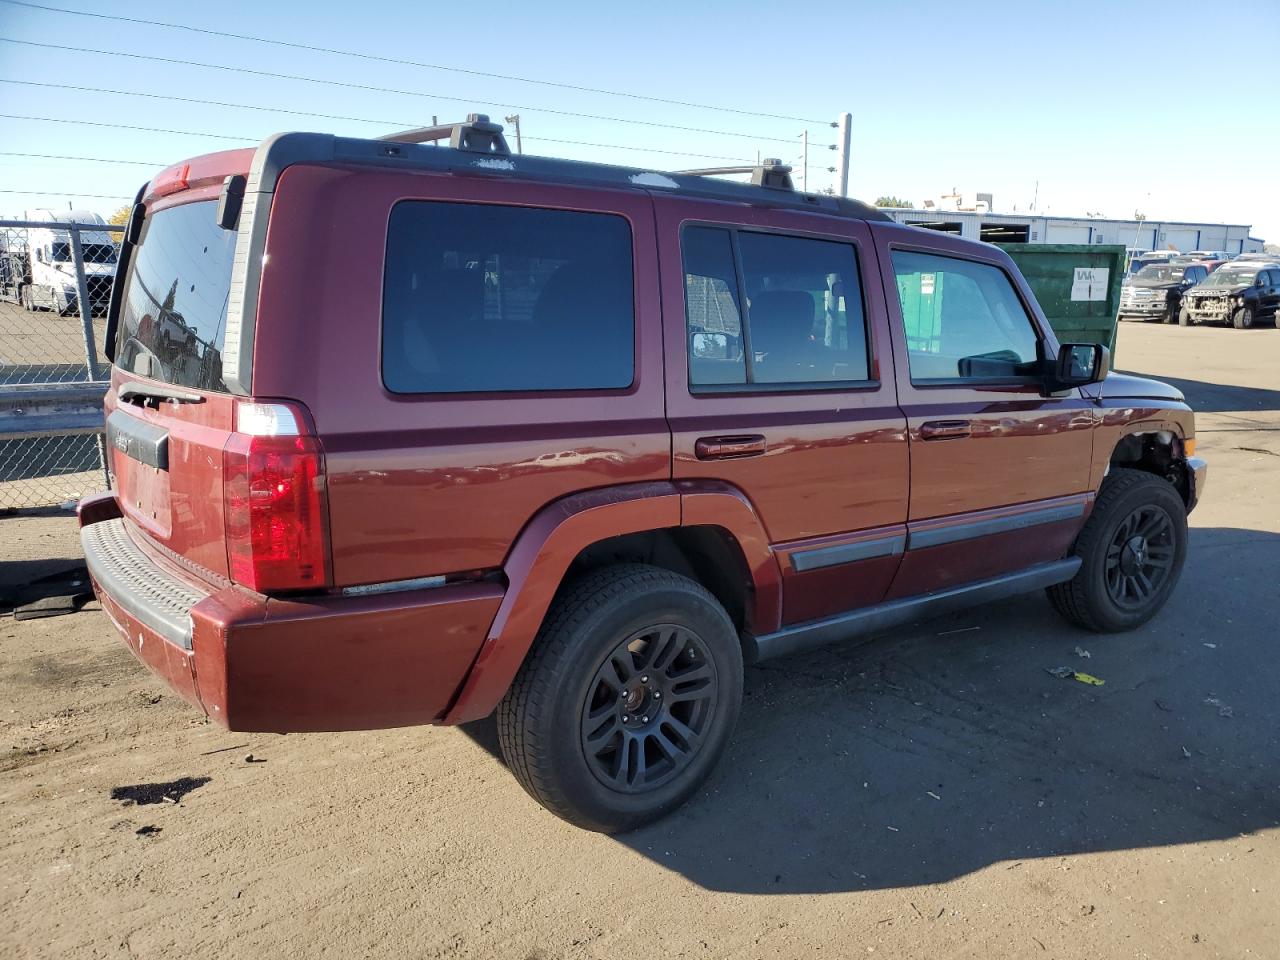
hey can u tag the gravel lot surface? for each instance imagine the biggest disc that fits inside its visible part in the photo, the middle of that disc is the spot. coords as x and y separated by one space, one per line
931 793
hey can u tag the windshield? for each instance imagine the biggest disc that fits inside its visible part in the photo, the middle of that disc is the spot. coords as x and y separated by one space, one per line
99 252
1160 273
1231 278
173 320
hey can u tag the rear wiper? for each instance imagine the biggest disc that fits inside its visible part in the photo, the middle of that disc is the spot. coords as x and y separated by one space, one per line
143 391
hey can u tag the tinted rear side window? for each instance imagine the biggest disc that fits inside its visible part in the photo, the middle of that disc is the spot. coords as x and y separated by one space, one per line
173 317
487 298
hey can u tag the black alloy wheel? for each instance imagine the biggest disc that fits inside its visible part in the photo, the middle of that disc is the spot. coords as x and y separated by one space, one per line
648 707
1140 557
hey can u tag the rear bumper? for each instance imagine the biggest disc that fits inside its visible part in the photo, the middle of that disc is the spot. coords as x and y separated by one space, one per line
254 663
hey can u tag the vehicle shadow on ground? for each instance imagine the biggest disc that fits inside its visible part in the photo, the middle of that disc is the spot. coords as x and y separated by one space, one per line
924 755
1218 397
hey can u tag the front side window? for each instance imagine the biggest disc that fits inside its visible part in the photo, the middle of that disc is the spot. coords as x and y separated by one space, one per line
963 320
804 324
488 298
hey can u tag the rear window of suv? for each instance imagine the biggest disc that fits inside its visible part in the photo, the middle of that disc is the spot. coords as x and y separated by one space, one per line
173 316
490 298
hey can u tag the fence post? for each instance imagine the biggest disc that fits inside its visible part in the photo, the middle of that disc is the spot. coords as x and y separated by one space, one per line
90 347
86 308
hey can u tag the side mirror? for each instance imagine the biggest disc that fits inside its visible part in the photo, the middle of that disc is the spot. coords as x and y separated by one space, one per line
1078 364
711 346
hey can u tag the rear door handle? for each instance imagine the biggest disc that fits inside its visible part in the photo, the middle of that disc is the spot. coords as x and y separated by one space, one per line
726 448
945 429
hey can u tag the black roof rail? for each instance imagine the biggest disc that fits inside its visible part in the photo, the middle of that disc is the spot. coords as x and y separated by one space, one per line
285 149
770 172
477 134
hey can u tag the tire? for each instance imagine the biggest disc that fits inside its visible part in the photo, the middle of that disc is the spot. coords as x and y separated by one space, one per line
1184 318
1242 319
601 751
24 295
1132 504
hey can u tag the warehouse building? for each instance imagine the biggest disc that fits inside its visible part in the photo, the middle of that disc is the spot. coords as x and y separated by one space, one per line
950 214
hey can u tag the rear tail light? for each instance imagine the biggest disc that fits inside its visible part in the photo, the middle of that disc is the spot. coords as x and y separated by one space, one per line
273 487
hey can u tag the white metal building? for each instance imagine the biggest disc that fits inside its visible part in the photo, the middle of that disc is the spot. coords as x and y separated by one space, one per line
1033 228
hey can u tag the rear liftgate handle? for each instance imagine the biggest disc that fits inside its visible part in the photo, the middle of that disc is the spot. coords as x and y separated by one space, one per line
945 430
728 448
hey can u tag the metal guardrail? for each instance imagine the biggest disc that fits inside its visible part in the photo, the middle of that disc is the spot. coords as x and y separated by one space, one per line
52 366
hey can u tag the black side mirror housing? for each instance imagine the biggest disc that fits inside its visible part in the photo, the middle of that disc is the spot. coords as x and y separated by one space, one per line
1077 365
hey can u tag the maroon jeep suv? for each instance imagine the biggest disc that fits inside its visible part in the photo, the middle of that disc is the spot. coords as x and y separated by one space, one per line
404 432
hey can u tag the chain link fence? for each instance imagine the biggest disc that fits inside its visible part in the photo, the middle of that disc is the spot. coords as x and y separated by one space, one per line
55 284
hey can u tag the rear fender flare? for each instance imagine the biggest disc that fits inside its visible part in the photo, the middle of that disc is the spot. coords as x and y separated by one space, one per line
541 555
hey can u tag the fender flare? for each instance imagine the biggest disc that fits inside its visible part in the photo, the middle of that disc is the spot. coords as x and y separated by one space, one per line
542 553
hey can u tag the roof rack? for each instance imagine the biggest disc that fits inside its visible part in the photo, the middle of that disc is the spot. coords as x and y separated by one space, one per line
770 172
477 134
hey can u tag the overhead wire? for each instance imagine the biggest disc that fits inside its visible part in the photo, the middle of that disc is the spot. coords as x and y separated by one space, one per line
391 90
381 58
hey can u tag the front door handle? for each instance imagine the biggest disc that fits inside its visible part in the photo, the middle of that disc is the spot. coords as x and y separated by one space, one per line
727 448
945 429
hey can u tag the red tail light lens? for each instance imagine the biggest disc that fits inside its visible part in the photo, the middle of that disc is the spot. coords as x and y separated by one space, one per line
273 486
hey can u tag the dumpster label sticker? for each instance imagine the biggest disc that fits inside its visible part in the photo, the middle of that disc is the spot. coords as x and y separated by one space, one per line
1090 283
927 281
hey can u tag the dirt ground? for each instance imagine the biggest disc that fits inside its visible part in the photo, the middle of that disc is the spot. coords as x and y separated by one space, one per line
932 793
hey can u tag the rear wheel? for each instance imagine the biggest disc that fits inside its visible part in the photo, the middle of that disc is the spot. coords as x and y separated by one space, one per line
1242 319
626 700
1131 549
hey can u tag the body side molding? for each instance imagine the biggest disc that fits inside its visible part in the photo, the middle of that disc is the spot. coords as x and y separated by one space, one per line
817 633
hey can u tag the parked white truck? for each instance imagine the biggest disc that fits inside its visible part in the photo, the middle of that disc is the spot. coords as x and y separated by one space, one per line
50 283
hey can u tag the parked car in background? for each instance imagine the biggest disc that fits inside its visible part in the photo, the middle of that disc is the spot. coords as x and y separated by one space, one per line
1240 293
571 442
1209 255
1155 292
1150 257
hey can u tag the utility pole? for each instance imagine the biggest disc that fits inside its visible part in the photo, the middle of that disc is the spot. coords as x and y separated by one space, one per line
514 120
842 144
804 162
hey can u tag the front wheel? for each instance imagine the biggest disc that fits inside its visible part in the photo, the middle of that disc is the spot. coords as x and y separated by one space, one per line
1242 319
1131 550
1184 318
626 700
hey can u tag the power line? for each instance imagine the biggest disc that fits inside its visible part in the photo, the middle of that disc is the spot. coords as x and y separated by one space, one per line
58 156
62 193
393 124
223 136
127 126
392 90
411 63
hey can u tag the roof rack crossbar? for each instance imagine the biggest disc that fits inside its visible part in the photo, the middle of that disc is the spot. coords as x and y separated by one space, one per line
477 134
770 172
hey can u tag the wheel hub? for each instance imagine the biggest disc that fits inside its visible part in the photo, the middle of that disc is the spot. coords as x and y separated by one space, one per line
1134 556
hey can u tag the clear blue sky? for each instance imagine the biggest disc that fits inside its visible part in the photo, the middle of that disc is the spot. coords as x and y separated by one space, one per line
1112 106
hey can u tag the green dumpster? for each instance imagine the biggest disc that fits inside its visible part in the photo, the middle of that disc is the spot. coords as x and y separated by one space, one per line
1077 286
